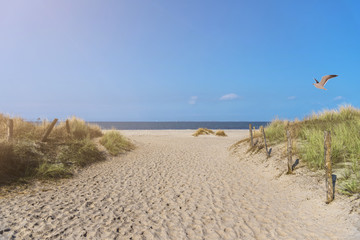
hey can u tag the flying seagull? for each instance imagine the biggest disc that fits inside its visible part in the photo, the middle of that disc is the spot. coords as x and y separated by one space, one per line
323 81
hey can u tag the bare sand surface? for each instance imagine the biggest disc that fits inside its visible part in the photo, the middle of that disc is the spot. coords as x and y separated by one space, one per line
175 186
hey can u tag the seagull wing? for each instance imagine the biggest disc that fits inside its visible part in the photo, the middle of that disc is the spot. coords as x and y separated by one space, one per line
316 80
324 79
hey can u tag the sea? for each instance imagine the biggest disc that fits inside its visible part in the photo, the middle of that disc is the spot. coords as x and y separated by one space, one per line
177 125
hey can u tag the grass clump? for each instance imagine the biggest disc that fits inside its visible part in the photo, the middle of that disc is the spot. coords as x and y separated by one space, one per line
220 133
26 157
275 132
48 170
350 187
81 130
116 143
203 131
14 161
80 153
344 124
308 140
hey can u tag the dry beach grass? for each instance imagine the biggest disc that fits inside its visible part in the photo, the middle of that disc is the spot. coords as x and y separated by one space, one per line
175 186
344 123
25 157
220 133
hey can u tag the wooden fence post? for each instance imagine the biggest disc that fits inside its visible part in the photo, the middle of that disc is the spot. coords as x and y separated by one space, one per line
266 148
68 126
328 168
289 151
48 131
251 136
10 129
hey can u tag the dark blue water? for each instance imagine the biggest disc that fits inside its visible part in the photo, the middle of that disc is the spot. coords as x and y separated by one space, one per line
177 125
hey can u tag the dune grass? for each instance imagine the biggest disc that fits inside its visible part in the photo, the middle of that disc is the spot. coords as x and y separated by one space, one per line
79 153
344 124
116 143
220 133
26 157
48 170
203 131
275 132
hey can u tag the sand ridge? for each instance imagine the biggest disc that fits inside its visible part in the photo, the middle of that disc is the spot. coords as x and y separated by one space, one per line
175 186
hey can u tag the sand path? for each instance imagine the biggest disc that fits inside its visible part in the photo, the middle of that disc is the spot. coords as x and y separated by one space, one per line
173 186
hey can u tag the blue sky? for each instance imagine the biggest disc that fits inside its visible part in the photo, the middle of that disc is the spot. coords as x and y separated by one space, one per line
177 60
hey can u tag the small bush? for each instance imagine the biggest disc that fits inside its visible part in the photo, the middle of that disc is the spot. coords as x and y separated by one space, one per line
26 157
9 163
80 153
48 170
116 143
220 133
18 160
203 131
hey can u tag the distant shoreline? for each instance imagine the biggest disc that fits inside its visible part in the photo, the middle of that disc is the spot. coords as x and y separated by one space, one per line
172 125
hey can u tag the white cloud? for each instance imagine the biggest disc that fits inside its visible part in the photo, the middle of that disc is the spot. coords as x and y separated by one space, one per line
193 99
291 97
338 98
229 96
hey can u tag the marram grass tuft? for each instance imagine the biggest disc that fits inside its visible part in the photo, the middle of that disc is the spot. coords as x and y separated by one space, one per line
26 157
116 143
203 131
308 135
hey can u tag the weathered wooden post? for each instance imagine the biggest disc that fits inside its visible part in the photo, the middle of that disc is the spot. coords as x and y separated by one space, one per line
68 126
289 151
251 136
328 168
10 129
48 131
266 148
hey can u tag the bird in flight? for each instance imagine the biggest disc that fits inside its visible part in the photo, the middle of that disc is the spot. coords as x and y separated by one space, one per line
323 81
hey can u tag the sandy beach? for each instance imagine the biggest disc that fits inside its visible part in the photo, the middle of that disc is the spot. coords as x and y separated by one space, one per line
176 186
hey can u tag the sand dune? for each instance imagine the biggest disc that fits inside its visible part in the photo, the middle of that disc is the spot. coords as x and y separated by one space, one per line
175 186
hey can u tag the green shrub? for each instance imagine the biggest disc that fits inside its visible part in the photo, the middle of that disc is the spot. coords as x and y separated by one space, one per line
312 148
80 153
308 136
48 170
18 159
275 131
26 157
115 143
350 186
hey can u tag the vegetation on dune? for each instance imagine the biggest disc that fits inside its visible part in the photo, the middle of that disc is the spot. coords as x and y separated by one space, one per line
116 143
79 153
26 157
17 160
220 133
48 170
275 132
203 131
308 135
24 130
